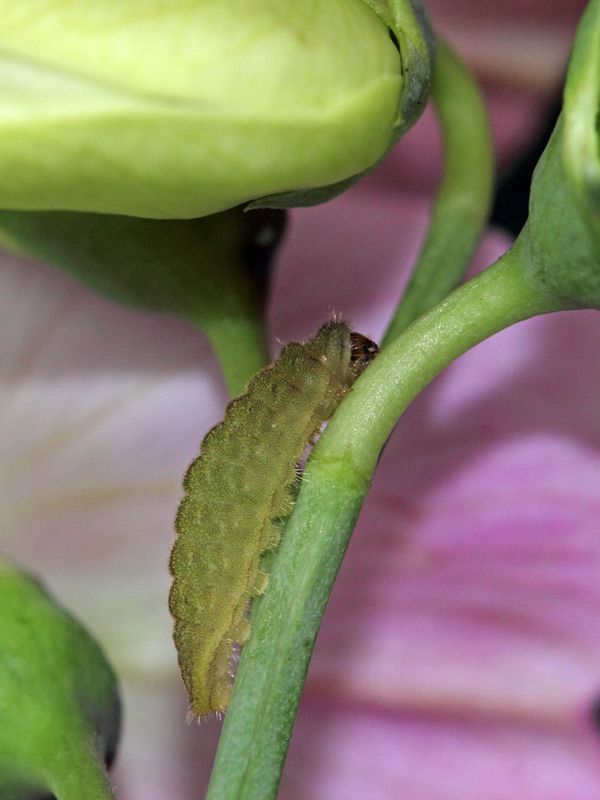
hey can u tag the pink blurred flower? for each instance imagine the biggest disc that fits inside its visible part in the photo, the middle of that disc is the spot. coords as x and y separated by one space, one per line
460 655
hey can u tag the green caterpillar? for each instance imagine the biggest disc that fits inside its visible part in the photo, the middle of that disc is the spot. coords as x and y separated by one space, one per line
235 491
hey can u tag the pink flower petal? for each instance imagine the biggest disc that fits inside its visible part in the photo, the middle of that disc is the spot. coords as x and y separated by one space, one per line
344 754
524 43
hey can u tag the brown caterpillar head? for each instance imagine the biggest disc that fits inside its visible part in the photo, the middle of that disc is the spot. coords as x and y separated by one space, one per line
362 352
346 353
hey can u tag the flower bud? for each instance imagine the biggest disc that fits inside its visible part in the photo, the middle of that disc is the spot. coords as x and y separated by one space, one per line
562 235
59 705
185 108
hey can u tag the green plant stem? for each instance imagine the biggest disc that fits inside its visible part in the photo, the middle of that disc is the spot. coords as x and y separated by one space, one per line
240 347
76 772
463 200
285 622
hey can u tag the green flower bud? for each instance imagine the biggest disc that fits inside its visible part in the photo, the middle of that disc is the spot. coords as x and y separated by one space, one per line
562 235
181 109
59 705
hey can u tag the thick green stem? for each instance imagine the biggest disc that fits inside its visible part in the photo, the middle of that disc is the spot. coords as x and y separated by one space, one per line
463 200
285 622
240 347
76 771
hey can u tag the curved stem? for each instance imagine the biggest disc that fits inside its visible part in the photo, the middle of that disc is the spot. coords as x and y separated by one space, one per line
285 622
240 347
463 200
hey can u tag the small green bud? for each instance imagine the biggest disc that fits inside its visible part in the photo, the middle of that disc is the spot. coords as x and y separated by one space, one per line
180 109
562 235
59 707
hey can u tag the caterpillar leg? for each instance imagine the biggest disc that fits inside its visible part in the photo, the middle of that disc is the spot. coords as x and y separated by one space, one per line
259 584
220 694
240 632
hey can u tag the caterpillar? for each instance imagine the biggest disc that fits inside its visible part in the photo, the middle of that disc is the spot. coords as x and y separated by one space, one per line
236 490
